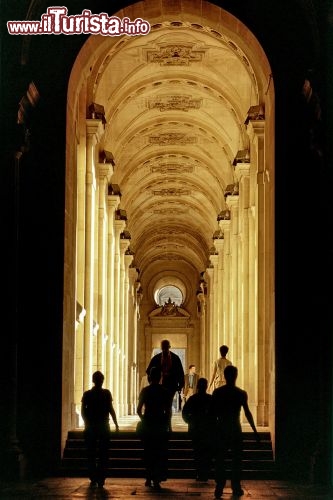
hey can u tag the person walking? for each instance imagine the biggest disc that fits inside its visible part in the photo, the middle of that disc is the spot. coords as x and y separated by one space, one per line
217 378
227 402
172 373
191 380
153 410
197 413
96 406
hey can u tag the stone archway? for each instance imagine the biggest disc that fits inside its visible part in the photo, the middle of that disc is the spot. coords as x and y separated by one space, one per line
170 168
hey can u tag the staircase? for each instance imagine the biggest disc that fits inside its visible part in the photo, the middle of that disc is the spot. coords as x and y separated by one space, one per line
125 456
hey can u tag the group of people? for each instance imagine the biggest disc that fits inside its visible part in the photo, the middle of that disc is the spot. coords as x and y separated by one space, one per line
213 419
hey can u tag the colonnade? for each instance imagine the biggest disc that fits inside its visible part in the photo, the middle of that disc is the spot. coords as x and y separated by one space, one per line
105 336
240 294
235 310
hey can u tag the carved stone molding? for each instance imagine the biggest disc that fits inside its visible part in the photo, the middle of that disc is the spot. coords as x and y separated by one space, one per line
174 102
172 138
180 54
171 192
171 168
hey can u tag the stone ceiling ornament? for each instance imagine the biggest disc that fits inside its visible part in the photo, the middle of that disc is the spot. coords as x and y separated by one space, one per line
172 138
172 192
174 102
181 54
172 168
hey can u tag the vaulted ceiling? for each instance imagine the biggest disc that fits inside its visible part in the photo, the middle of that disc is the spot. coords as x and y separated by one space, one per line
175 103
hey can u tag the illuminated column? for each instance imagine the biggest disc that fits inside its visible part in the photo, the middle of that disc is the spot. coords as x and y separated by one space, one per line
214 258
105 172
201 306
248 358
225 228
124 242
209 317
112 202
134 286
117 382
219 245
94 129
256 130
233 202
127 334
80 274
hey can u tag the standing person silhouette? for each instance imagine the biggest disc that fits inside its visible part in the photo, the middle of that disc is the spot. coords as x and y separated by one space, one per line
197 413
217 379
155 400
96 406
171 370
227 402
191 380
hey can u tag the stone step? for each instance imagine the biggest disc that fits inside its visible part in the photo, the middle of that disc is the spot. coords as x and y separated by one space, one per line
126 456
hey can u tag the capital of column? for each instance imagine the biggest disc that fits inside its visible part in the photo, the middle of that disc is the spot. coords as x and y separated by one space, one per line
113 201
232 201
225 225
214 260
119 226
128 261
256 128
219 244
124 244
242 170
94 128
105 170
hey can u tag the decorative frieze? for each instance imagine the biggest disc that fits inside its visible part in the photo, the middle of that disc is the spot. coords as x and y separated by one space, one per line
171 168
180 54
172 139
174 102
171 192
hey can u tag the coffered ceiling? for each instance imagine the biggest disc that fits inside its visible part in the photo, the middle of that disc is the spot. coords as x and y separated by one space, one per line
175 103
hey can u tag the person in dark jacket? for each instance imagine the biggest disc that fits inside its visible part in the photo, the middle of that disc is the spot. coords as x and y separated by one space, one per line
155 401
227 402
96 406
171 370
197 413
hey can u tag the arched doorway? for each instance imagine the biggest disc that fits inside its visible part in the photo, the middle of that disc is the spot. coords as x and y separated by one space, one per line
170 172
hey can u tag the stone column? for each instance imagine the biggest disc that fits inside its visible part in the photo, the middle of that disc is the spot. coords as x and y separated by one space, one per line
215 327
94 129
209 323
256 130
105 172
112 204
225 228
117 382
219 245
249 348
201 305
80 275
235 354
127 334
134 285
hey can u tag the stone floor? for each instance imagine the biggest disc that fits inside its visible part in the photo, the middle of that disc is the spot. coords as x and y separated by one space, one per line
59 488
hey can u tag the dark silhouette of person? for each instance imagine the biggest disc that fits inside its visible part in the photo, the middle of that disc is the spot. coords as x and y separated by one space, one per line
227 402
155 401
191 380
171 370
96 406
197 413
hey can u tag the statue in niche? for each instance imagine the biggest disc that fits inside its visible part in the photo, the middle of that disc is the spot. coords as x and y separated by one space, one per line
169 309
